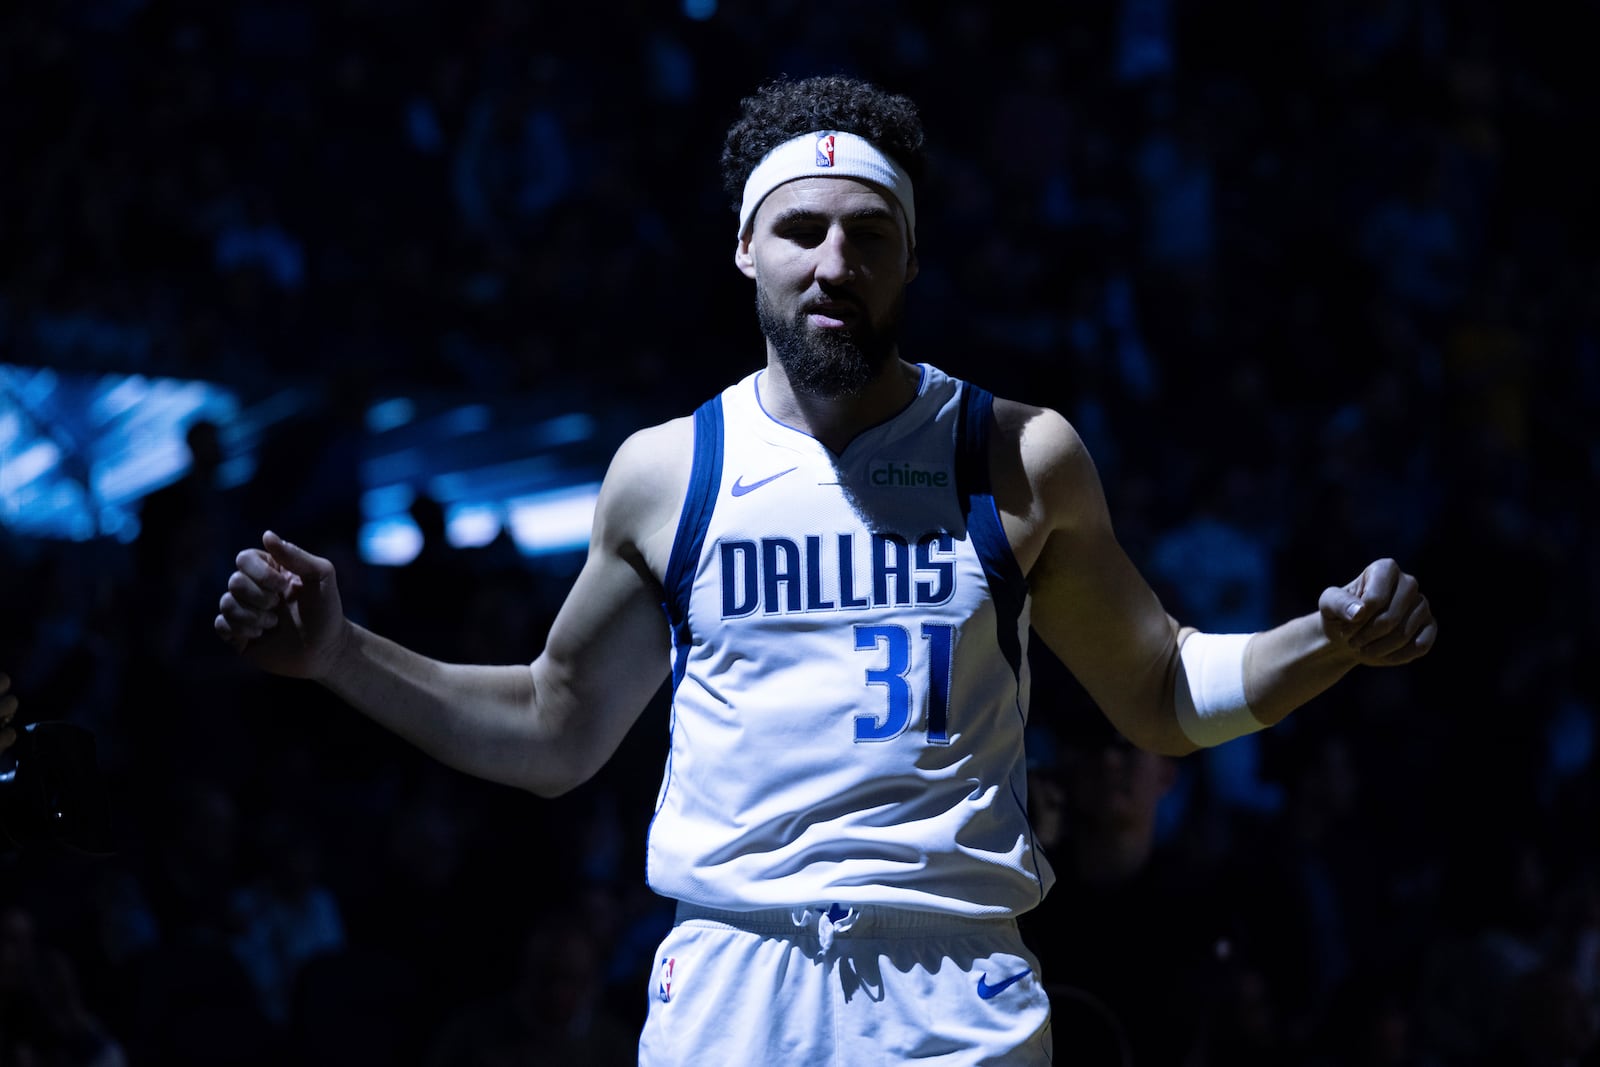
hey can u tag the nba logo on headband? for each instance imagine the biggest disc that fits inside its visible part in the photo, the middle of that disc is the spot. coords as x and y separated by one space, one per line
825 150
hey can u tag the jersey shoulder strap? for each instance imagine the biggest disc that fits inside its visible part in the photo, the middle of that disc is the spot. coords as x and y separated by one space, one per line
1007 584
705 480
972 442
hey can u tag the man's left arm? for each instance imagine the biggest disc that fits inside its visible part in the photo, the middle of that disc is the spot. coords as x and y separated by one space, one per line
1168 688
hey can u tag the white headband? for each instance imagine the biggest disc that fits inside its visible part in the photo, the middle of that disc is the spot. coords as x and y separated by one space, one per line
827 155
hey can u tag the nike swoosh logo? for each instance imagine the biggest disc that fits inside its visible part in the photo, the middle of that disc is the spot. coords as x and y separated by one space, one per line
740 489
987 991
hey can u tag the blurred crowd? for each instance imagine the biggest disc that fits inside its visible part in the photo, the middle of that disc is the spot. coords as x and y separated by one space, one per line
1318 282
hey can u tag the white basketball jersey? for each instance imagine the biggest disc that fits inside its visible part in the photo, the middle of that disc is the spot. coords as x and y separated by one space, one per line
849 669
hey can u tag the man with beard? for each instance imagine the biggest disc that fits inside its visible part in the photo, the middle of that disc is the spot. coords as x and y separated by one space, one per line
851 550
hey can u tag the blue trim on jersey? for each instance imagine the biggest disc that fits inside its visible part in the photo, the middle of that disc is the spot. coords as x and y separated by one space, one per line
1007 584
705 482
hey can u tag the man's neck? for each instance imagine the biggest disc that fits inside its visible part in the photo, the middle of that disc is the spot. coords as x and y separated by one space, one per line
837 421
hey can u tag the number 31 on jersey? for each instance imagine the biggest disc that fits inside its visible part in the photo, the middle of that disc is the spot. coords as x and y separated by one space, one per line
894 645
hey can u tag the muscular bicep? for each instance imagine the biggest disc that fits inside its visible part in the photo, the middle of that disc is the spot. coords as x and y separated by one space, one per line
605 659
608 648
1091 605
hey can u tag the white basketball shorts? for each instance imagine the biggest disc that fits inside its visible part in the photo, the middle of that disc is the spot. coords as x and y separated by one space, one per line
834 987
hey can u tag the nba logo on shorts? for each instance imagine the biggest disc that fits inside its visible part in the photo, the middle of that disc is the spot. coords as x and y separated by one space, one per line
667 964
825 150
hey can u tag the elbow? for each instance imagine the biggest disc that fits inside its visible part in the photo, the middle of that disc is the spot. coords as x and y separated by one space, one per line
556 771
548 779
1173 747
549 788
1155 729
1163 739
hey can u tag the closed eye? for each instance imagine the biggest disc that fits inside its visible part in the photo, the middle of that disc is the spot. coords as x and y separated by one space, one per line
869 234
806 236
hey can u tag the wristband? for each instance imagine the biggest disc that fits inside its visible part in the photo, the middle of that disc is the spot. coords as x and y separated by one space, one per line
1210 693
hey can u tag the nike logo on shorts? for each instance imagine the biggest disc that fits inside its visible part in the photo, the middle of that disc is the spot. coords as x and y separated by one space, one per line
740 488
988 992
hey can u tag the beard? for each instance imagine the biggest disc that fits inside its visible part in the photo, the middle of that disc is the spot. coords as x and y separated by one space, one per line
828 364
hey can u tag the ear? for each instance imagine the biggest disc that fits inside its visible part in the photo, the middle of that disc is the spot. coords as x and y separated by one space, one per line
912 266
743 259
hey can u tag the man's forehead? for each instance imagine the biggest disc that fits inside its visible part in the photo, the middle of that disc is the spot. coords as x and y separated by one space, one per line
827 196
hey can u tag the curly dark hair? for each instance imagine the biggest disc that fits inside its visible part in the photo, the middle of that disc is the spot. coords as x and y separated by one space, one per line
785 108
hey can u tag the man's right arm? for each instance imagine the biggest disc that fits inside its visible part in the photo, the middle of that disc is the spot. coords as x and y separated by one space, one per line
545 727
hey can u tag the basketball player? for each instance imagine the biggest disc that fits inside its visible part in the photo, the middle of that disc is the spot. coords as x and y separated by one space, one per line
850 549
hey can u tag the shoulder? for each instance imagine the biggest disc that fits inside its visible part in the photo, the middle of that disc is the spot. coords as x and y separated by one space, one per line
1043 476
1039 442
653 451
644 489
650 465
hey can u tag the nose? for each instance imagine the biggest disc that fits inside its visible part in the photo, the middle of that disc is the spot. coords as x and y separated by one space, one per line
835 263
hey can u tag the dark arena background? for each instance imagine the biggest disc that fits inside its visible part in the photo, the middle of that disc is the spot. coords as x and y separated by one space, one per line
1317 282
